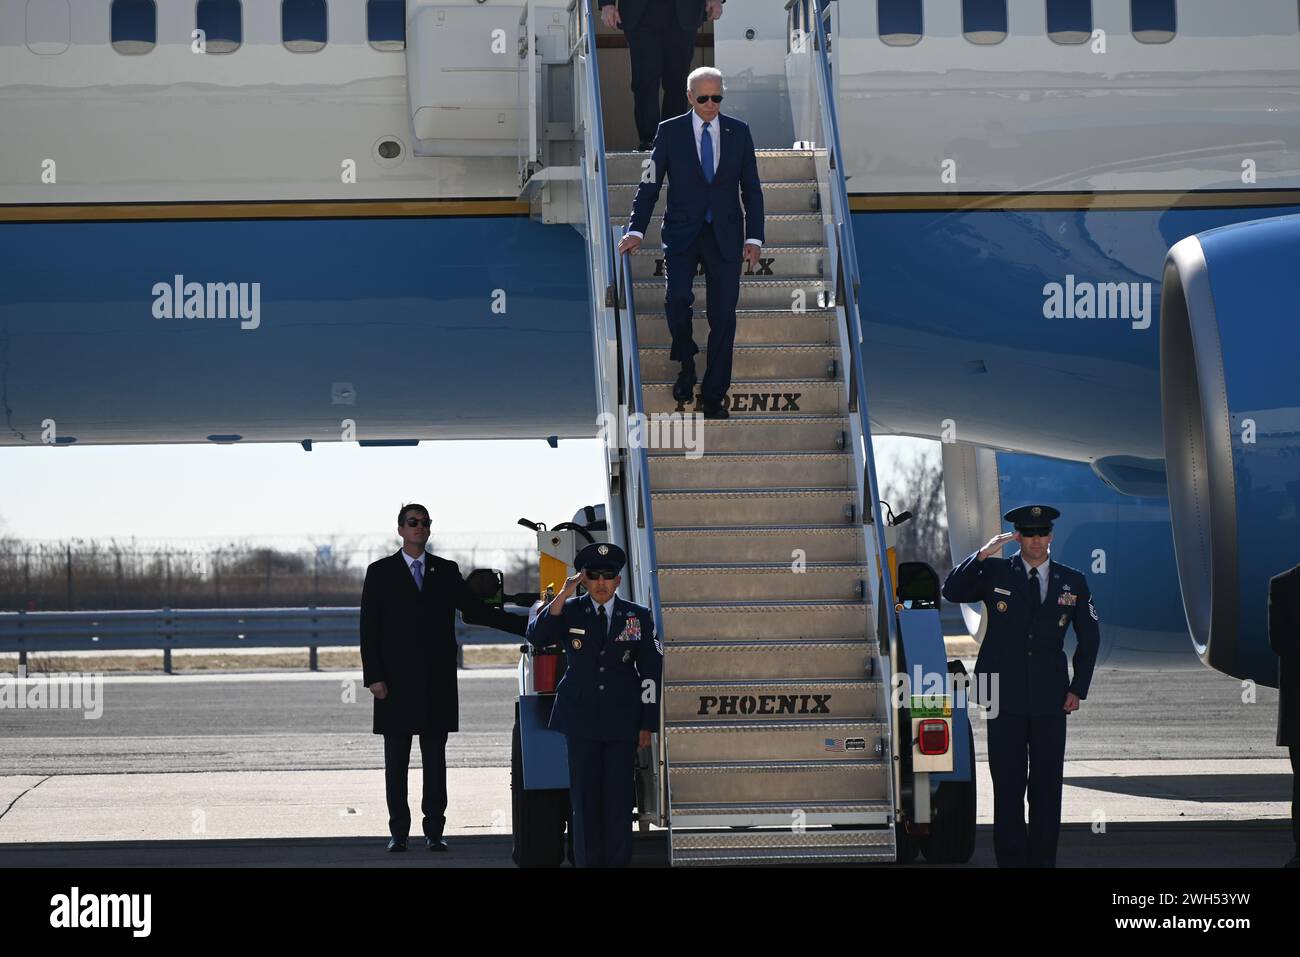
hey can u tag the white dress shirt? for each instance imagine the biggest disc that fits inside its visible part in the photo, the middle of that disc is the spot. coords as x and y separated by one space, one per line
411 561
608 606
1043 569
697 125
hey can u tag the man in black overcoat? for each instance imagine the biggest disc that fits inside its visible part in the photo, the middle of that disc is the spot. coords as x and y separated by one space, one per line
408 658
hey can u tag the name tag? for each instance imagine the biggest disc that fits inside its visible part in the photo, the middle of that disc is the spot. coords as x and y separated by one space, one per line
577 631
1003 591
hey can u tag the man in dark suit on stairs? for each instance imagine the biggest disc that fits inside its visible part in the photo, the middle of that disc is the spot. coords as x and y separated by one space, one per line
709 160
661 43
408 659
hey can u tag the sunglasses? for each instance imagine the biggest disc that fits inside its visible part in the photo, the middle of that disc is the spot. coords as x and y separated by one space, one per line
413 522
716 98
1035 532
601 576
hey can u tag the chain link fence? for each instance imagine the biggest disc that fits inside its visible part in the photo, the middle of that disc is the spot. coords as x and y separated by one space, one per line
110 575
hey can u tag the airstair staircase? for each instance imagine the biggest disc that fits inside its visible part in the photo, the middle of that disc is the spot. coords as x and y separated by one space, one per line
775 712
760 547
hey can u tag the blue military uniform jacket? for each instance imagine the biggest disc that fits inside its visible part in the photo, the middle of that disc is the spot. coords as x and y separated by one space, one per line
1024 647
610 689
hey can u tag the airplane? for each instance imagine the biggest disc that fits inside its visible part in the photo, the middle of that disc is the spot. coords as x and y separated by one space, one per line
259 222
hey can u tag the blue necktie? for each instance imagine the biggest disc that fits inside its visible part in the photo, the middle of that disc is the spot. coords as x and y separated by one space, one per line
417 569
706 161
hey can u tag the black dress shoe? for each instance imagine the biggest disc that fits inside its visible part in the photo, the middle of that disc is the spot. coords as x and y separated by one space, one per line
435 843
716 410
684 387
395 845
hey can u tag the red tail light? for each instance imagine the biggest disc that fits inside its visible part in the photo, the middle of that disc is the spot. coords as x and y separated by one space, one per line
933 737
545 668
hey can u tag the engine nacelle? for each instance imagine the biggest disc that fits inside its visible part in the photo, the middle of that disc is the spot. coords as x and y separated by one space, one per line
1230 393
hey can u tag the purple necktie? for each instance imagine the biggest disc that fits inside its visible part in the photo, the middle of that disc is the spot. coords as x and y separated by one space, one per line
417 569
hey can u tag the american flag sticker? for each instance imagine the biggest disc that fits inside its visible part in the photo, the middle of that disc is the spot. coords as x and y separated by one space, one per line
834 744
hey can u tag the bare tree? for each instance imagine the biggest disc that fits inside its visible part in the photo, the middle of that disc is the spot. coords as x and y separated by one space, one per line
918 487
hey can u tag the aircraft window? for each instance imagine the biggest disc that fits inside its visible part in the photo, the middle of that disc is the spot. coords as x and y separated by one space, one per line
899 22
984 21
386 24
222 24
1153 20
134 26
302 25
49 26
1069 21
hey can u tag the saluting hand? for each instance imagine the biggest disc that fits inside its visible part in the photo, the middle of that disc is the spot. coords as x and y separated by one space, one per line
995 543
568 591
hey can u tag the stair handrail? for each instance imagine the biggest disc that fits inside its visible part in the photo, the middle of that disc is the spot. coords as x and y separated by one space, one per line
610 273
805 17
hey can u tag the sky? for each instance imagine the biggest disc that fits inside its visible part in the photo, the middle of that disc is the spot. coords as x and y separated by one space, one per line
475 491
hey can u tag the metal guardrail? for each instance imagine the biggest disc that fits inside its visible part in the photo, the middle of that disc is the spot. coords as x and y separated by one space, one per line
227 629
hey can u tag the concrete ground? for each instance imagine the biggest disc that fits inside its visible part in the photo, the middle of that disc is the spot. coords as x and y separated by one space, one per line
280 769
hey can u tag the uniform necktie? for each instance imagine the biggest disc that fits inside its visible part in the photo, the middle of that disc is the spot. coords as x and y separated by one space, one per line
417 569
706 161
604 625
1037 598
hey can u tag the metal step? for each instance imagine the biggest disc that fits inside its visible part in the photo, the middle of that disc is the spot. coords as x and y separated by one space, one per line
751 470
798 229
774 262
784 506
790 293
794 361
816 660
799 196
841 581
721 621
753 327
786 846
774 700
779 814
817 396
776 165
776 741
768 544
754 433
795 781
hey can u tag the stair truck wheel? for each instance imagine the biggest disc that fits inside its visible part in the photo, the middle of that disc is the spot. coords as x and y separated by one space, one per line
537 817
